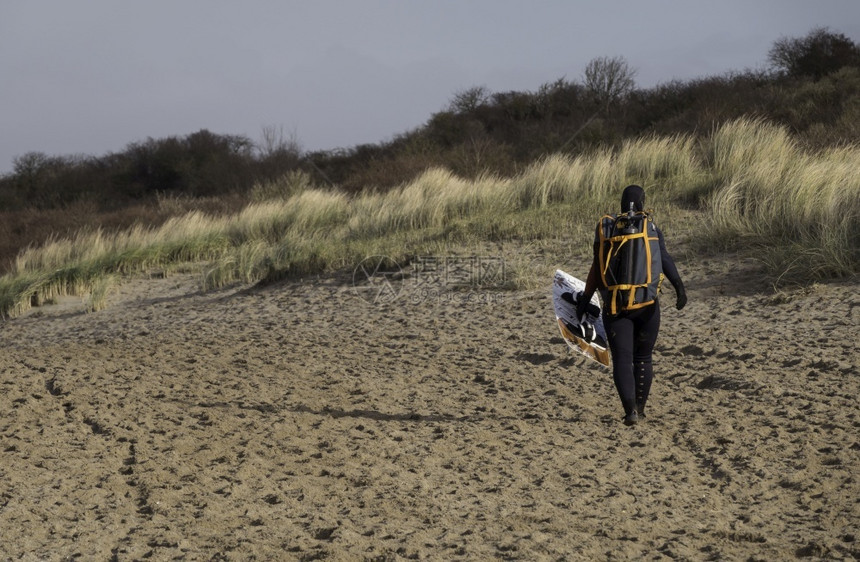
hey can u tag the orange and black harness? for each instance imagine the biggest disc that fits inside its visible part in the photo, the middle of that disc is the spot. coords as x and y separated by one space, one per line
624 238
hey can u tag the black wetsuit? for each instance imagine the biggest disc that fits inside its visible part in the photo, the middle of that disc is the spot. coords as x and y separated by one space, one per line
632 336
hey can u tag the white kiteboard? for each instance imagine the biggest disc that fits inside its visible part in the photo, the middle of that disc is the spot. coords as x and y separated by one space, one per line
586 335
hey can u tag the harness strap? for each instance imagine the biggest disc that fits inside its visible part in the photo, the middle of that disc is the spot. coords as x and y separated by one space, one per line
616 244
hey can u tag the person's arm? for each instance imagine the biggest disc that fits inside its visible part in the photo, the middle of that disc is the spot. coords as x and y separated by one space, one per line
671 273
591 282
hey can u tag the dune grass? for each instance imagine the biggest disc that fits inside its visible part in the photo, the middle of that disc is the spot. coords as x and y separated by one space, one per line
800 212
757 190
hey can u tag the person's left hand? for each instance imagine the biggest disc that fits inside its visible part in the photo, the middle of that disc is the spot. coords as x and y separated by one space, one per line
581 305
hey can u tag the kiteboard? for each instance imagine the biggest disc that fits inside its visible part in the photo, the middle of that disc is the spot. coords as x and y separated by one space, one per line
586 335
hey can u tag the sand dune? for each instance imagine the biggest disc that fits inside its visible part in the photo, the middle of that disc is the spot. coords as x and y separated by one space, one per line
301 420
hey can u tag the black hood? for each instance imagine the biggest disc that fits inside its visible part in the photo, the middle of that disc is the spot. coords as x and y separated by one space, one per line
635 195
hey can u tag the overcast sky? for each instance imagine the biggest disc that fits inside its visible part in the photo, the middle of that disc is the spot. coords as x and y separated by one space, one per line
91 76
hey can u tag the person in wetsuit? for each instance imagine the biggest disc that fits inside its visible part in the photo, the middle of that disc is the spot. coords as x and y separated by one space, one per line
632 334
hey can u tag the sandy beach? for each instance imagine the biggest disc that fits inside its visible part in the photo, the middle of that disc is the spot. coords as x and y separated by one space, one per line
310 420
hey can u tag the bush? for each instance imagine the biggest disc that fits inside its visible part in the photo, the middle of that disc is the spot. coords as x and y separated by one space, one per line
818 54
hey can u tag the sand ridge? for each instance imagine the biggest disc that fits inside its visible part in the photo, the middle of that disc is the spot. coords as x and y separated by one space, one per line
299 421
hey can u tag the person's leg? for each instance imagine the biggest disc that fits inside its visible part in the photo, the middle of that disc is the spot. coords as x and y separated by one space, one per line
619 332
646 326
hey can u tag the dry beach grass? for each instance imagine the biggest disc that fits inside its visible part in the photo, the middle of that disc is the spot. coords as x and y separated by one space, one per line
799 211
300 420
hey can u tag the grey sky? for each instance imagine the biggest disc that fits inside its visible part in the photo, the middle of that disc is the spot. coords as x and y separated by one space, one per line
91 76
